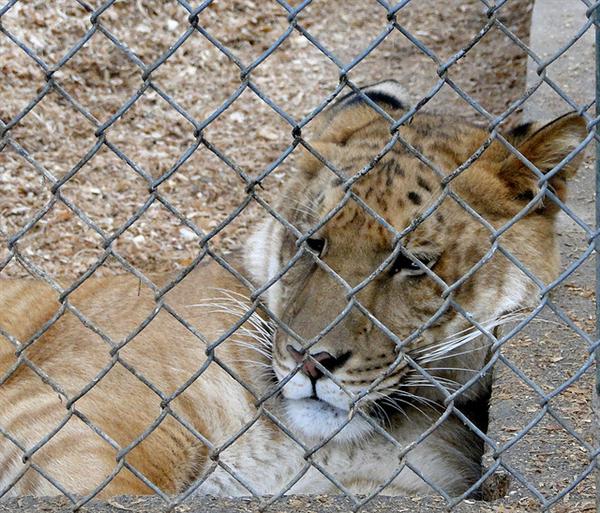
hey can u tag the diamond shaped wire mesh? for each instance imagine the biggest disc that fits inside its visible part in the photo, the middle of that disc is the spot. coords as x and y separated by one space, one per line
152 87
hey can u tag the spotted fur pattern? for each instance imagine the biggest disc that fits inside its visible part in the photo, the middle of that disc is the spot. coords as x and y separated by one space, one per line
370 385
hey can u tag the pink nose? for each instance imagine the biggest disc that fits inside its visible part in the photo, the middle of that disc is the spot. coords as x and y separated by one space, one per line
309 366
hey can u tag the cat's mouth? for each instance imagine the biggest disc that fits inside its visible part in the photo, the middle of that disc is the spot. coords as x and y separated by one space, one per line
316 419
321 403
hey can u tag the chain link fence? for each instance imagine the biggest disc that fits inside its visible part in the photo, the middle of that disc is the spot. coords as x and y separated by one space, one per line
258 313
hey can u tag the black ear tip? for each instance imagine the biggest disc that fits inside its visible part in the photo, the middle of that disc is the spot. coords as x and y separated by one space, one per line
521 131
390 81
388 93
571 121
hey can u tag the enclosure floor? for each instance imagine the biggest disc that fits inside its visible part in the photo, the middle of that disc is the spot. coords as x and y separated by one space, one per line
547 351
305 504
297 77
200 78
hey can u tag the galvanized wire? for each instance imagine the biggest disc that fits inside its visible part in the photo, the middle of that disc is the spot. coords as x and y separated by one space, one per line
208 249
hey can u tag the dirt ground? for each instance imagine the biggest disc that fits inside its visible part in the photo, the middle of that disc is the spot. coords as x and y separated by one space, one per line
100 78
297 77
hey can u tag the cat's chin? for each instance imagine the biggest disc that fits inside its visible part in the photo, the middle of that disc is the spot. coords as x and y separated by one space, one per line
317 420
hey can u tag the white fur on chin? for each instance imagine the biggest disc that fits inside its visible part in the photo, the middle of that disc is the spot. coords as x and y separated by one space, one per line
316 419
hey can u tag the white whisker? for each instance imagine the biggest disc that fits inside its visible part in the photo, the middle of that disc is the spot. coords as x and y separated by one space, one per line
423 400
451 355
393 403
382 411
420 377
247 345
251 362
450 369
384 398
431 352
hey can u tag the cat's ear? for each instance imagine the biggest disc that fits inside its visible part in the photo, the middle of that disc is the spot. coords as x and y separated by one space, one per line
350 114
388 94
523 131
545 147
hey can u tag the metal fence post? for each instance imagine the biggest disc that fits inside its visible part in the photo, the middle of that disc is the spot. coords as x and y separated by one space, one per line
596 398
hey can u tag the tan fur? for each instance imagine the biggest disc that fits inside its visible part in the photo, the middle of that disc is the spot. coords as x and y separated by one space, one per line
166 354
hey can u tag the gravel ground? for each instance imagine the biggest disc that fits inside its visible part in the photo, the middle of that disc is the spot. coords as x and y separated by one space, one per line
549 352
297 77
199 77
309 504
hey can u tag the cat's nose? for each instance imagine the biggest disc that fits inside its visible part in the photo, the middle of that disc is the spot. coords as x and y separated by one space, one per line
309 367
